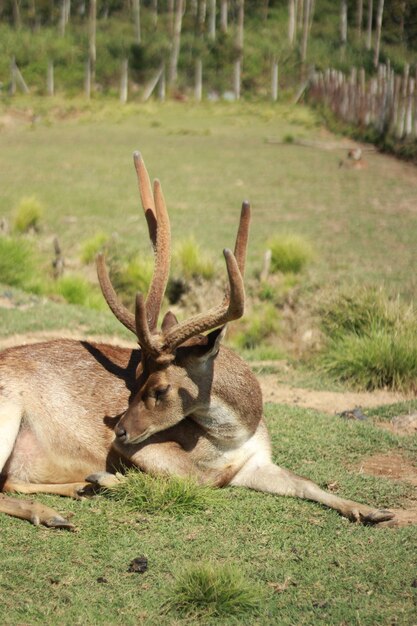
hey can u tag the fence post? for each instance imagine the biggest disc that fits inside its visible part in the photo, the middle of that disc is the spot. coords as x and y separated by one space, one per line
198 89
50 79
124 81
236 78
87 81
274 80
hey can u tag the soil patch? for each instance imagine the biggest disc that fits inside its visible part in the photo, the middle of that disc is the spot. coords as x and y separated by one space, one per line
395 467
390 465
326 401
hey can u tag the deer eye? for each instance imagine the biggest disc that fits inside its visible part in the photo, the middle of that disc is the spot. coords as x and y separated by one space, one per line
161 392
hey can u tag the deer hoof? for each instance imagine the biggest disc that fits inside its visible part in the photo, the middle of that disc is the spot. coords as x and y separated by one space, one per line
376 516
58 522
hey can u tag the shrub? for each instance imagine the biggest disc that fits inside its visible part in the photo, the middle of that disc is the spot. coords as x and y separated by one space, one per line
379 359
19 266
163 494
27 215
371 340
92 246
214 590
290 253
357 310
129 277
190 262
259 326
77 290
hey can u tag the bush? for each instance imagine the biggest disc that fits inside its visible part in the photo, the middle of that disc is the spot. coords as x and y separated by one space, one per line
129 277
379 359
27 215
258 327
357 310
371 340
92 246
214 590
190 262
19 266
290 253
77 290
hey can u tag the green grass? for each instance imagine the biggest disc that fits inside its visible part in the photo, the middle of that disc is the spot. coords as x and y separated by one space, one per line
290 253
28 215
19 264
190 261
206 177
329 570
213 590
371 340
379 359
164 494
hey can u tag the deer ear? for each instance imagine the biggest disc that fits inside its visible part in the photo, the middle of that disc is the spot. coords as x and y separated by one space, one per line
214 339
168 322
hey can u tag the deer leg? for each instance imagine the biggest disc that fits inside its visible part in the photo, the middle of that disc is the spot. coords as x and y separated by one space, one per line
34 512
10 418
70 490
273 479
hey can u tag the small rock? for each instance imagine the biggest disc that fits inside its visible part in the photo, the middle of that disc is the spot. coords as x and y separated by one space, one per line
138 565
355 414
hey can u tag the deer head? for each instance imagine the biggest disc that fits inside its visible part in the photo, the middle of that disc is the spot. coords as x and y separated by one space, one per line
176 370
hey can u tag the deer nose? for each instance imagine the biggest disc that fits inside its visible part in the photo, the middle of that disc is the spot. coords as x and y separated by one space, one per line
120 432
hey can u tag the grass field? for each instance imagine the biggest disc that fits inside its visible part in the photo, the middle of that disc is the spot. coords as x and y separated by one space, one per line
306 564
361 224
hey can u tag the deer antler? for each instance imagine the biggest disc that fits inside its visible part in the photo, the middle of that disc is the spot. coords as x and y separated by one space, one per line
162 345
230 309
160 235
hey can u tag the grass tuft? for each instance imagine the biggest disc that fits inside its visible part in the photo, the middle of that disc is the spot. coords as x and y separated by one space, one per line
129 277
190 262
376 360
164 494
290 253
27 216
77 290
92 246
214 590
372 341
18 264
258 327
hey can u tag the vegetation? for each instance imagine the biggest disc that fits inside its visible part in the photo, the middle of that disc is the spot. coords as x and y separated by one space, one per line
191 262
372 340
289 253
92 246
28 215
19 266
36 35
211 590
309 564
164 494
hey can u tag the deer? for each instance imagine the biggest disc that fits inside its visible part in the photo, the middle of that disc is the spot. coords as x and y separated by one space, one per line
74 413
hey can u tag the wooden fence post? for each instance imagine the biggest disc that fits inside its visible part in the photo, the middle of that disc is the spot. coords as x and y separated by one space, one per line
50 79
124 81
198 89
274 80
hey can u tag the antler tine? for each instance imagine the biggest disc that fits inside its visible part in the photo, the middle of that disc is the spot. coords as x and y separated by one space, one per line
120 311
147 341
242 236
146 196
230 309
160 234
162 259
